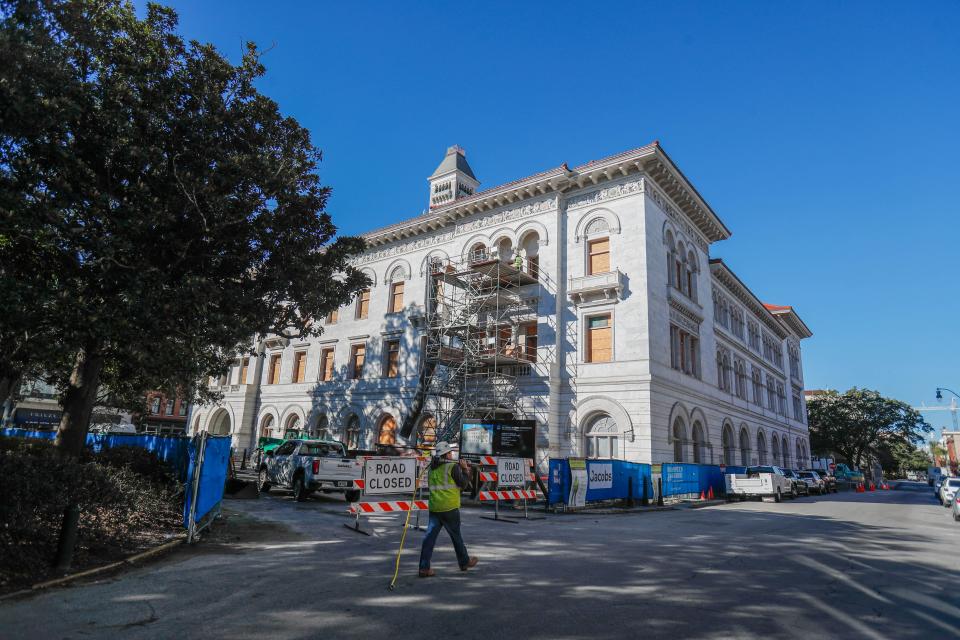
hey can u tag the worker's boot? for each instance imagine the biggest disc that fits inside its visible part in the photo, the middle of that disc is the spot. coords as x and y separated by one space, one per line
472 562
426 573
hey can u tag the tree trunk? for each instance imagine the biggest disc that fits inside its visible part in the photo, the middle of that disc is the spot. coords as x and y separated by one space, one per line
78 401
9 385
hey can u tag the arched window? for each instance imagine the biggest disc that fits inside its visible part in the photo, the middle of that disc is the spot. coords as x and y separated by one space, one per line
678 266
744 446
323 428
761 448
692 269
721 377
602 438
220 423
776 450
293 424
699 444
266 426
388 431
679 440
353 432
729 449
478 253
428 431
531 253
671 254
785 452
800 461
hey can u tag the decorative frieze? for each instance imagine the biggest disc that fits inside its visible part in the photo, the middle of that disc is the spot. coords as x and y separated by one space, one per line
607 193
470 226
684 317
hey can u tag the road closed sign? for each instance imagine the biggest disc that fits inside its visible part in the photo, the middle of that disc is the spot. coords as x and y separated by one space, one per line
383 476
510 472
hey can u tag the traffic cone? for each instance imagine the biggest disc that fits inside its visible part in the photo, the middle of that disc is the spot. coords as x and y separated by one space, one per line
702 497
710 495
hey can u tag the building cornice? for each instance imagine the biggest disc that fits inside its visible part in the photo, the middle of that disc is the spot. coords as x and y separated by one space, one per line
733 284
649 160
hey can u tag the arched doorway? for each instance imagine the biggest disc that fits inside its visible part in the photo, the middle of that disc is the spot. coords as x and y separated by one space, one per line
761 447
729 449
800 460
679 439
531 253
785 452
219 424
428 431
387 433
602 437
322 430
776 450
292 424
352 432
699 444
266 426
744 446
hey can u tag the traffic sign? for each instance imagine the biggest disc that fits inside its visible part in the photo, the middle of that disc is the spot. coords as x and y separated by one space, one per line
510 472
383 476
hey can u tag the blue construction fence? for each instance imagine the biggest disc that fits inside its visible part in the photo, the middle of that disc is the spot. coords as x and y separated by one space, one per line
629 479
685 478
213 476
171 449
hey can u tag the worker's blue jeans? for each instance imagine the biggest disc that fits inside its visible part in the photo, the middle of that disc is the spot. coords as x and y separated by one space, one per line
450 520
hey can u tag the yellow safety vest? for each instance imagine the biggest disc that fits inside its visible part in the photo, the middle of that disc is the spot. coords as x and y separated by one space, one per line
444 492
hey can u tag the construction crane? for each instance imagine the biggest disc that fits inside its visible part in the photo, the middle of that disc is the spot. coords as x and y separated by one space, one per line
953 408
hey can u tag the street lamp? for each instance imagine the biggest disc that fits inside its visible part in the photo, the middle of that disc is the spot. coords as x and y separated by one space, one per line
940 395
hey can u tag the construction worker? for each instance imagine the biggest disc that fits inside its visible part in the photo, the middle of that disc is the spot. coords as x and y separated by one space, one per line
446 478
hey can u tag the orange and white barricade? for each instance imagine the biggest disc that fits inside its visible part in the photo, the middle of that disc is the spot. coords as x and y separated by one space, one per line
509 479
395 484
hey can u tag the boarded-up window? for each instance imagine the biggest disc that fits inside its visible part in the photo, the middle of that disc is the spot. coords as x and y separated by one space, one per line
243 370
333 316
392 359
358 353
396 297
326 365
299 366
274 369
428 431
530 342
388 431
363 304
599 258
599 339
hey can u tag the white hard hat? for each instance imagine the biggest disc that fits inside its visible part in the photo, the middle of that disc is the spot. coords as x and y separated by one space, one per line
443 448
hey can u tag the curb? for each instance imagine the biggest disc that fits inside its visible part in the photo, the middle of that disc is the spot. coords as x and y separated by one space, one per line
132 560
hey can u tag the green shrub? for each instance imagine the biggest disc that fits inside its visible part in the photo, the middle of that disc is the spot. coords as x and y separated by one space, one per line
121 495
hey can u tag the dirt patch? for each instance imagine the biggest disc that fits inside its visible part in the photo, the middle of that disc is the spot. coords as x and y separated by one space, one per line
236 532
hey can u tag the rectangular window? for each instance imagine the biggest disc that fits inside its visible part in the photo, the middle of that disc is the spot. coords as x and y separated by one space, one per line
326 365
299 366
358 354
155 406
363 304
168 408
599 256
274 377
797 409
684 351
244 365
391 364
333 316
183 407
396 297
599 339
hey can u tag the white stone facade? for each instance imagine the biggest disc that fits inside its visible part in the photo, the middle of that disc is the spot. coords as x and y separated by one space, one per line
640 405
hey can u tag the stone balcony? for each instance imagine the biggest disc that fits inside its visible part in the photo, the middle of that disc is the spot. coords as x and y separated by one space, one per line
598 287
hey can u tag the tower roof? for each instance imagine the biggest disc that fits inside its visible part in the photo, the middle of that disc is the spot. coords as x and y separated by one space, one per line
455 160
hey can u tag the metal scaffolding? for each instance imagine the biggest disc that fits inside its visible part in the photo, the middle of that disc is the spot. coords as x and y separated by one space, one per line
481 333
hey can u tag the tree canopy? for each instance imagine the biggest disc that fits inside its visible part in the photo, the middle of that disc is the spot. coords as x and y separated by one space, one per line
156 210
859 422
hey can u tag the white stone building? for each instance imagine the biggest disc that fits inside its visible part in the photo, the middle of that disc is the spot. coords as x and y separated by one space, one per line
646 347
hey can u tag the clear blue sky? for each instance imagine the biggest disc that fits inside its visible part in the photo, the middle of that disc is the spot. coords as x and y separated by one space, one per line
825 135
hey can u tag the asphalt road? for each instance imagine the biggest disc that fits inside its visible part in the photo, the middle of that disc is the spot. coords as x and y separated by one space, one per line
875 565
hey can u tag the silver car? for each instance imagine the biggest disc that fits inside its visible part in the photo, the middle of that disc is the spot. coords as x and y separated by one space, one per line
948 490
815 483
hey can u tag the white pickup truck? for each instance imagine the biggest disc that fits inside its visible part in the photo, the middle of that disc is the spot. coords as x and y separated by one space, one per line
304 466
763 482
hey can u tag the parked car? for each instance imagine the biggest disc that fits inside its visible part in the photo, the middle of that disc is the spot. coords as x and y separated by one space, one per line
799 486
304 466
937 485
829 481
955 510
948 490
764 481
815 483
